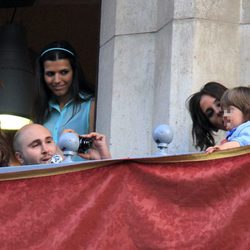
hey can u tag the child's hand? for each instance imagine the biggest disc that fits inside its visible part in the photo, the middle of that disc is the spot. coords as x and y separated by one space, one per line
210 150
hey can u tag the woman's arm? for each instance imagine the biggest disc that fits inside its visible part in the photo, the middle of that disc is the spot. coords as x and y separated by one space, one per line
92 116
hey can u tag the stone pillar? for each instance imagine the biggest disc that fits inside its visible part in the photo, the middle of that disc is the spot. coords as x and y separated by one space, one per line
126 75
153 55
244 62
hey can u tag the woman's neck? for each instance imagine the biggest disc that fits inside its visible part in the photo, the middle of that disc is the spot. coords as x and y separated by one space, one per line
62 100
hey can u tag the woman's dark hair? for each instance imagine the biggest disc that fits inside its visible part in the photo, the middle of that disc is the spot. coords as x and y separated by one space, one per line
55 51
202 128
5 150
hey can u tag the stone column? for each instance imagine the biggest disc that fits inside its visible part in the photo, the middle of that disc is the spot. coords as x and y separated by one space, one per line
244 62
126 75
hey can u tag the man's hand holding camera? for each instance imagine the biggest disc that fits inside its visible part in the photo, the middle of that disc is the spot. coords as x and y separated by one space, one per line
93 146
98 149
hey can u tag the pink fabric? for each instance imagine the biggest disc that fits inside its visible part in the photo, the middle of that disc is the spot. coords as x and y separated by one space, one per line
130 204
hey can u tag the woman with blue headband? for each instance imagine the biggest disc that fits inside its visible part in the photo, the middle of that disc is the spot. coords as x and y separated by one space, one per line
63 98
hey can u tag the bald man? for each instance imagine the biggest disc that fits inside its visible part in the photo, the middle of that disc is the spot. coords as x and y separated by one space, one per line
33 144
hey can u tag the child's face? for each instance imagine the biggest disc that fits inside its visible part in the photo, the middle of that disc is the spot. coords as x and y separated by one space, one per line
233 117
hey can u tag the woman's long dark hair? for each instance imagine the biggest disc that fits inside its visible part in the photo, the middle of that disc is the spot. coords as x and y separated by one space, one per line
42 94
202 128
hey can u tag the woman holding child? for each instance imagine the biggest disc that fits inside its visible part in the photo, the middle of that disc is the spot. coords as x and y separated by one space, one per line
215 108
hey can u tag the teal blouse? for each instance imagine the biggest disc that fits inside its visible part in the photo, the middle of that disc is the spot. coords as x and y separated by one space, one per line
59 120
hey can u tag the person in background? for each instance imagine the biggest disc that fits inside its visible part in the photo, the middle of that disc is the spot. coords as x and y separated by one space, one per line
236 105
206 114
5 150
34 144
62 96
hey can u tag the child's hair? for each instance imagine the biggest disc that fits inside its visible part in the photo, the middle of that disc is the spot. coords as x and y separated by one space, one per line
238 97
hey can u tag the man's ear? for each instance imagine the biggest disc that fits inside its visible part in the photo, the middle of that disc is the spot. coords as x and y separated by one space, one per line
19 157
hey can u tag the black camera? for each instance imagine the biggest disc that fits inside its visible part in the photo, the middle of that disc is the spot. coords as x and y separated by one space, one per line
84 144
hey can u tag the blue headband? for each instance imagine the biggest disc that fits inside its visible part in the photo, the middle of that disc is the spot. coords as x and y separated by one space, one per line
51 49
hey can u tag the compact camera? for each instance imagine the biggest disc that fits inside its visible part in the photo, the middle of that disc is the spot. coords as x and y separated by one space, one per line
84 144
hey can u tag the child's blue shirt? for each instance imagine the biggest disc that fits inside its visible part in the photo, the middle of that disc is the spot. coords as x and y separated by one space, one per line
241 134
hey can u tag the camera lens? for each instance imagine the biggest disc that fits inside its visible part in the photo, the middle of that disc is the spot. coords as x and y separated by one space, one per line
84 144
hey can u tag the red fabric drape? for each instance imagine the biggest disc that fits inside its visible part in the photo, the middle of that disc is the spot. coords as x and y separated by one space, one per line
155 203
